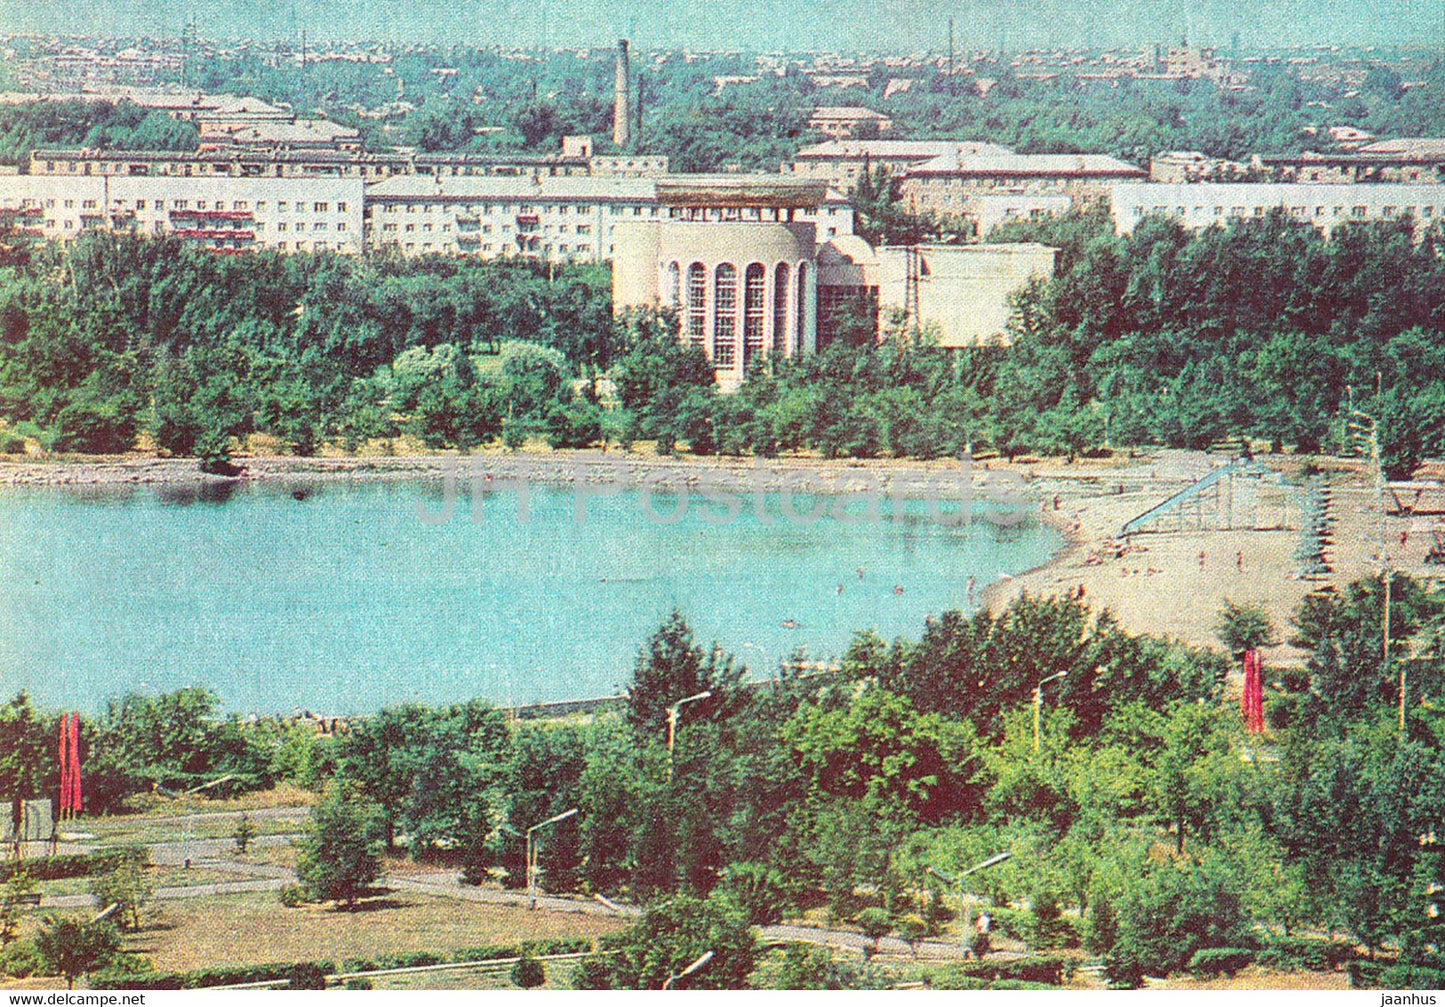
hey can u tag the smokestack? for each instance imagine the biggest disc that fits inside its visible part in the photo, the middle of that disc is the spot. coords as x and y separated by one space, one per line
621 120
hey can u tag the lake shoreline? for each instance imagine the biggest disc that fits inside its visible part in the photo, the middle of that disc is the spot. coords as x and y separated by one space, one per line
906 477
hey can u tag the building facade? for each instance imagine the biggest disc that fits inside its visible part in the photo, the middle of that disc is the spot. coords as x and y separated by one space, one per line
952 186
1320 204
558 219
224 215
237 162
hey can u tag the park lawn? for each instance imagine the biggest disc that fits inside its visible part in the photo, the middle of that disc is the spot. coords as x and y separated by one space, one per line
254 927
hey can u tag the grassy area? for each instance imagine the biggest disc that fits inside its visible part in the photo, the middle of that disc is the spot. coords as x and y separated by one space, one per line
255 927
173 828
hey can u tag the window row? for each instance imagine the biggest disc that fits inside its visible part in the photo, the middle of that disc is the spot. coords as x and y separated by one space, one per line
692 301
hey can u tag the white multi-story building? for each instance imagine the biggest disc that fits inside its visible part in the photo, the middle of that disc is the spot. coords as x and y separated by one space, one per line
549 218
1323 205
221 214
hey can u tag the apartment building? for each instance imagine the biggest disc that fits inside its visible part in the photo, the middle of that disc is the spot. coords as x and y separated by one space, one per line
238 162
951 186
1321 204
843 121
840 163
551 218
224 215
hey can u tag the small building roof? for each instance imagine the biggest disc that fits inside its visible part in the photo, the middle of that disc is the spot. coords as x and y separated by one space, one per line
848 112
1408 146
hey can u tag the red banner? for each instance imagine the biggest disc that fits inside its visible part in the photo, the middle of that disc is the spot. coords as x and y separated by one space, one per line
1251 700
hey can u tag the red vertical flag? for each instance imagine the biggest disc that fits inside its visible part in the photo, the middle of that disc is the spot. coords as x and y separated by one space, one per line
63 753
75 795
1251 700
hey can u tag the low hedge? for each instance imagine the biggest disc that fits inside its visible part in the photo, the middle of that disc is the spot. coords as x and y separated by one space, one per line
1297 954
73 865
232 975
1047 969
1365 974
1212 962
1412 977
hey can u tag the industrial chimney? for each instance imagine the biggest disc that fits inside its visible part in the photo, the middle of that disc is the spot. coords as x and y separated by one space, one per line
621 133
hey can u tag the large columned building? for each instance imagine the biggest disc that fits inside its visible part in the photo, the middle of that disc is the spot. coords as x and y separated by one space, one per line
742 262
737 260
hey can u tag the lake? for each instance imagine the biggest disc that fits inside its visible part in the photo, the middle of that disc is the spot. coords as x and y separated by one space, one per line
338 598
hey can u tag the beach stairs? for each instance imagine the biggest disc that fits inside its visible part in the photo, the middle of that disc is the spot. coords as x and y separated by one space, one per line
1214 501
1315 524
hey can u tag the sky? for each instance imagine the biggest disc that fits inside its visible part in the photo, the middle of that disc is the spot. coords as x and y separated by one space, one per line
801 25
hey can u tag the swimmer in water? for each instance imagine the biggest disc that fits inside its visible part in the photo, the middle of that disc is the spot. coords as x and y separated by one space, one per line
790 624
897 588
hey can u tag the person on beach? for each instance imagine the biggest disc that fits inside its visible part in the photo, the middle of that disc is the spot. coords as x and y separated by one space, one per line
1201 559
1239 561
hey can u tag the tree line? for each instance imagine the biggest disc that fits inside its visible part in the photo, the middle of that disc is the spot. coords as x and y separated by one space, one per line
1141 820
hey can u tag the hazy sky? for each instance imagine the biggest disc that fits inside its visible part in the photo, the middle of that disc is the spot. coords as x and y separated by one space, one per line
896 25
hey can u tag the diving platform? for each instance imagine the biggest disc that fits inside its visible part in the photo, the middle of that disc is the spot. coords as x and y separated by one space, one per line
1225 497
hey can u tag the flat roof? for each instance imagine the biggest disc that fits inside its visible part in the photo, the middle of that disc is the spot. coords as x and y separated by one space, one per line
1027 164
920 150
546 187
739 190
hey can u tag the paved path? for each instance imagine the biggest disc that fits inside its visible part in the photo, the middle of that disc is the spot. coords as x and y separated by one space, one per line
207 854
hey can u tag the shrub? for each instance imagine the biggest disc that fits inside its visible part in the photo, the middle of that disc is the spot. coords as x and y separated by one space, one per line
11 443
528 973
358 984
1212 962
306 976
19 960
1295 954
1047 928
1123 970
875 923
1411 977
1365 974
593 973
291 895
74 865
1101 928
1047 969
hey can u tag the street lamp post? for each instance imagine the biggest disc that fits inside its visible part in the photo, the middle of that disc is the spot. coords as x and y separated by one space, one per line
672 723
532 852
1039 703
702 960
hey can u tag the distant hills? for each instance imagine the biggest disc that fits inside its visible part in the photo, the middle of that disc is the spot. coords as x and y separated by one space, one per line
890 25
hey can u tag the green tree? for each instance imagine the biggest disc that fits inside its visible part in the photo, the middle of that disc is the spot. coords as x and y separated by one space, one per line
341 854
670 667
1244 627
74 947
127 886
875 923
674 934
528 973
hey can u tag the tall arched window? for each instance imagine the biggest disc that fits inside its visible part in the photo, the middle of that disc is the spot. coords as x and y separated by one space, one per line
697 303
780 309
802 303
754 294
673 294
725 316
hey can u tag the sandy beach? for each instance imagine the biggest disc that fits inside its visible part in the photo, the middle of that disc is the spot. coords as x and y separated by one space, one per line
1174 583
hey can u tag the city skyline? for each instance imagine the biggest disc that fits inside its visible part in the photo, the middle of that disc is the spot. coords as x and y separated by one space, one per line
899 25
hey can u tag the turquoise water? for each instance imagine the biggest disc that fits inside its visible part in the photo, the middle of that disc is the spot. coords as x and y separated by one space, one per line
344 600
